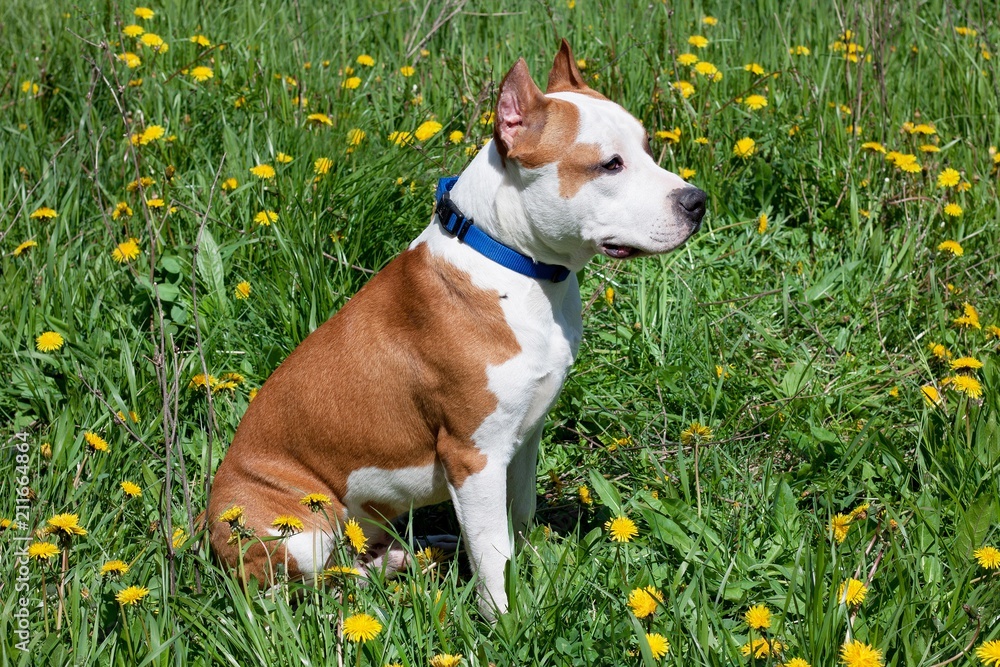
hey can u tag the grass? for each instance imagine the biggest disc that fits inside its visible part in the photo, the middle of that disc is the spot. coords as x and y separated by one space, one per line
804 347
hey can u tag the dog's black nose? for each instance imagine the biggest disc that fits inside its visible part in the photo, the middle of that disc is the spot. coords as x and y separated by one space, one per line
691 201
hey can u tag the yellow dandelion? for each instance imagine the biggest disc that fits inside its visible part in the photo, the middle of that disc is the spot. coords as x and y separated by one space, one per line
233 515
230 184
686 173
131 489
874 147
288 524
42 551
859 654
708 70
315 501
852 592
400 138
130 59
754 68
696 433
283 158
456 137
951 246
427 130
361 628
178 538
621 529
953 210
966 384
132 595
745 147
242 290
126 251
265 218
356 536
50 341
65 525
95 442
406 71
153 41
263 171
762 223
341 570
121 210
671 136
658 645
446 660
155 202
19 250
144 13
970 317
762 648
839 525
43 213
201 40
685 88
797 662
931 394
698 41
202 73
755 102
365 60
923 128
964 364
687 59
644 601
133 30
322 165
758 617
584 494
989 653
115 568
799 51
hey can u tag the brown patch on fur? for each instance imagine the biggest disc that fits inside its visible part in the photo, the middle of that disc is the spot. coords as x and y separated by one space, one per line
396 379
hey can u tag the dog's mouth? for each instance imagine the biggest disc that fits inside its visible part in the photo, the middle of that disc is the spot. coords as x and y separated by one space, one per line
619 251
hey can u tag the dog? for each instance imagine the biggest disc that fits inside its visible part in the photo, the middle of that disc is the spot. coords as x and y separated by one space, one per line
434 381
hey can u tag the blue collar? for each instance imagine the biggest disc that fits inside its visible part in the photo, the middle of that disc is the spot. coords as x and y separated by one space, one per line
462 228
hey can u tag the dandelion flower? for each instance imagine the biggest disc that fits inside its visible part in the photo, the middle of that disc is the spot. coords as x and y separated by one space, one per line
658 645
178 538
622 529
698 41
839 525
400 138
923 128
584 494
708 70
30 243
242 290
951 246
365 60
966 364
264 171
361 628
126 251
322 165
970 317
121 210
745 147
95 442
672 136
130 59
283 158
351 82
201 40
456 137
966 384
315 501
874 147
202 73
988 557
989 653
929 148
687 59
49 341
797 662
406 71
230 184
755 102
43 213
42 551
232 516
644 601
341 570
446 660
684 88
799 51
696 432
131 489
758 617
265 218
852 592
153 41
953 210
859 654
132 595
155 202
288 524
762 648
686 173
354 535
133 30
144 13
115 568
427 130
65 525
754 68
762 223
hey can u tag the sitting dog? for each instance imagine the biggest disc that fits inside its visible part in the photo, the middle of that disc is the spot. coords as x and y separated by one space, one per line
433 382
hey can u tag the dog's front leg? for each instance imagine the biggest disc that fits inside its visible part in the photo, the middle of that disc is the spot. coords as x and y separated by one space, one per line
521 492
481 507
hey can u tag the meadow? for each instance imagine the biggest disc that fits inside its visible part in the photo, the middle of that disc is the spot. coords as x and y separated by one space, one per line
780 444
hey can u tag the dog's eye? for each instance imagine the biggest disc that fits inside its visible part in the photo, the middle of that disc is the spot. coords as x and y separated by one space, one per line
614 164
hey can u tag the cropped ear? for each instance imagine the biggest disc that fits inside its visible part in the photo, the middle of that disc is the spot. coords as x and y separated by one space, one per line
520 113
565 75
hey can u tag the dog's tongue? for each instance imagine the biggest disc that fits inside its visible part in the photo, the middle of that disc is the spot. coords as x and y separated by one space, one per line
618 251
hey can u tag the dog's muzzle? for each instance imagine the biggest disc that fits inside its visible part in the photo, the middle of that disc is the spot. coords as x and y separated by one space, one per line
690 206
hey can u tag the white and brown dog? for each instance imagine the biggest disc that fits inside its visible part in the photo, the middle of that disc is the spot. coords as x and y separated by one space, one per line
433 382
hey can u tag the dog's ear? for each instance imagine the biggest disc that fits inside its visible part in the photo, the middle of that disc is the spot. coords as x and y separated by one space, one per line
565 75
520 112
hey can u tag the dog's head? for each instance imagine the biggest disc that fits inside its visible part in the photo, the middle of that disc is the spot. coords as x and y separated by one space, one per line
584 171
